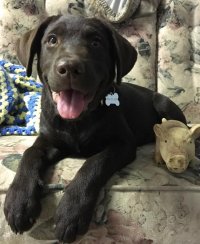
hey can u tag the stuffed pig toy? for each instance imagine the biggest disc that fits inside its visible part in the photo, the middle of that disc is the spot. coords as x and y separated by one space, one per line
175 145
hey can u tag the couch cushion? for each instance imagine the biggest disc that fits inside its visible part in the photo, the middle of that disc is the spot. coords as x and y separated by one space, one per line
142 203
16 18
179 55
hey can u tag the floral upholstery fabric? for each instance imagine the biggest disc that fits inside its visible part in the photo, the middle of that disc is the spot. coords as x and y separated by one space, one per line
143 203
140 30
179 55
16 18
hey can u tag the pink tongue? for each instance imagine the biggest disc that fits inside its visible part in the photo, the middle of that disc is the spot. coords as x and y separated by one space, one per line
70 104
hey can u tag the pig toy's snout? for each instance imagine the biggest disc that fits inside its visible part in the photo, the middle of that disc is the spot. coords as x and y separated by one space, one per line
177 164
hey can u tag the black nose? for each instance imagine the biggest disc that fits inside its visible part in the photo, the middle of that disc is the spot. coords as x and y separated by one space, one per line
73 67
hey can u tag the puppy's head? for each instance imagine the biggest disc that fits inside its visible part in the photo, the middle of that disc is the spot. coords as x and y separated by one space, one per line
78 59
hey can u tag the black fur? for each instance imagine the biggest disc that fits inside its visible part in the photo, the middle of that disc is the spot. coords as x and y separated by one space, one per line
87 55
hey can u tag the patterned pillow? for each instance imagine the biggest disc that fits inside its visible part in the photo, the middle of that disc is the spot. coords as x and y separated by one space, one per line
75 7
113 10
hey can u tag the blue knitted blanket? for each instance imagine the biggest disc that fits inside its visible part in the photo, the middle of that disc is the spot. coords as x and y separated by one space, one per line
20 98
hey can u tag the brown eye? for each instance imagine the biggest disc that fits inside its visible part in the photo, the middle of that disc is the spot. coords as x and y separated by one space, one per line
96 42
52 40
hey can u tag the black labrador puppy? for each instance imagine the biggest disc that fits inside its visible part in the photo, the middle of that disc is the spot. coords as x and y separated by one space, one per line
86 112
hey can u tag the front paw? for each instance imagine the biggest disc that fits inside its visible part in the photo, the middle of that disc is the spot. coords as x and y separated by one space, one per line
73 215
22 205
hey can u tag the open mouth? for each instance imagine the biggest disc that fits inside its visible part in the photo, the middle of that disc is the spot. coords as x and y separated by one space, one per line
71 103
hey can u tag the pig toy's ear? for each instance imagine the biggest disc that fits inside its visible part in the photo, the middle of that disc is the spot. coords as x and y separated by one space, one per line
164 120
195 131
158 130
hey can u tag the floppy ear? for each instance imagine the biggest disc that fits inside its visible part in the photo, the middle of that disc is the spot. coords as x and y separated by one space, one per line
23 47
126 55
30 44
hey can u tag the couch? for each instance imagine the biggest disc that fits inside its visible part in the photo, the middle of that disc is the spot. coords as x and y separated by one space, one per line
143 203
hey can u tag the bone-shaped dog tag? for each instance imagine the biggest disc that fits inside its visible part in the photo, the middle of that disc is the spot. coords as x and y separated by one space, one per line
112 98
